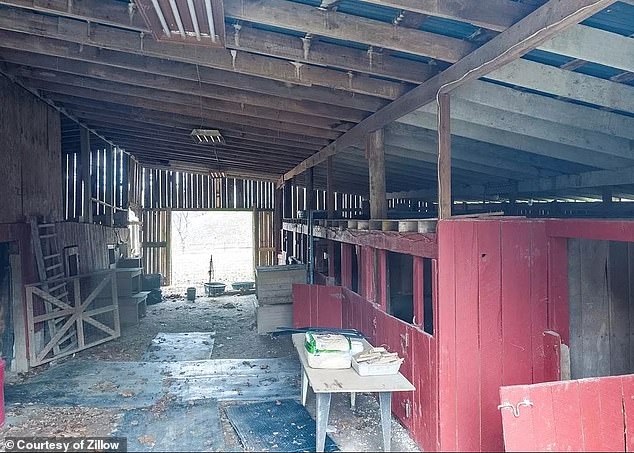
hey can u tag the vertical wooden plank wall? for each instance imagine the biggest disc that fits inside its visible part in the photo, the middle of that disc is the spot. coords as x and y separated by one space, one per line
600 282
30 148
492 315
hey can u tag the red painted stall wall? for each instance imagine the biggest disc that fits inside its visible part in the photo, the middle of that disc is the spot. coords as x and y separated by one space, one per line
493 282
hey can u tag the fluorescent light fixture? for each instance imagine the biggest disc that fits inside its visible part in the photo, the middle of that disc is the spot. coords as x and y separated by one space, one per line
157 8
210 20
192 13
212 136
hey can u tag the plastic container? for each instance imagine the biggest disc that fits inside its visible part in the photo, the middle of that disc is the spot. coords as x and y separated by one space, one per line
215 289
376 369
191 293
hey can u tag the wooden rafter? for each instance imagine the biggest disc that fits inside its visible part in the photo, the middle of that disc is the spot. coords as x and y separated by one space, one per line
520 38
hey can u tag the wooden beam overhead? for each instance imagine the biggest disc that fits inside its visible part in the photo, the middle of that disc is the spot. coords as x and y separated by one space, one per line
333 24
524 125
195 114
525 35
373 61
224 59
492 14
316 99
117 14
70 84
539 146
97 111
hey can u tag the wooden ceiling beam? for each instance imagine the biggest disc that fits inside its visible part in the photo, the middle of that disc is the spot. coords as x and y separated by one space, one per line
538 146
226 155
101 111
151 136
579 41
525 126
206 118
492 14
471 150
113 13
173 76
373 61
525 35
547 108
64 83
140 127
223 59
183 136
333 24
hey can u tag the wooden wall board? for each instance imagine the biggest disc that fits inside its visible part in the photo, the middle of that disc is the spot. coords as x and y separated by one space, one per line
30 147
446 336
601 325
490 317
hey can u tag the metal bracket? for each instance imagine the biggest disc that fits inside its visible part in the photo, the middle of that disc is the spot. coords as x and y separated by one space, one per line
408 408
515 409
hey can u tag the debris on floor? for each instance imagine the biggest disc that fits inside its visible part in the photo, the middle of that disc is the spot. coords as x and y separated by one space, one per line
176 427
177 347
111 387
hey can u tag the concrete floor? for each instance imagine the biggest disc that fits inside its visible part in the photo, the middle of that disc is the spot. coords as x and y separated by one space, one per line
79 410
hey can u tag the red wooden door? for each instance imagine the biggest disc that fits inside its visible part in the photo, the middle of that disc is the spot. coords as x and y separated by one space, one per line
579 415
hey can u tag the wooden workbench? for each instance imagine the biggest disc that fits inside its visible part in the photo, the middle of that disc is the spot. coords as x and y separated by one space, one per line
325 382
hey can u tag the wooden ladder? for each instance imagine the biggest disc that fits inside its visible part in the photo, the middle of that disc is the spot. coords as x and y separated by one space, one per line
50 267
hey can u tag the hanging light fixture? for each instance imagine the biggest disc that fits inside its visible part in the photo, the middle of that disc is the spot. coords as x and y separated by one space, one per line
211 136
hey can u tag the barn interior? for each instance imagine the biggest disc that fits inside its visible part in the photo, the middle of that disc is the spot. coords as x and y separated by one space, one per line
454 180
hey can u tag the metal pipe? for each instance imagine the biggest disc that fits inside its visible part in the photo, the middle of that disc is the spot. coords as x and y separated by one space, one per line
161 17
177 16
192 13
210 20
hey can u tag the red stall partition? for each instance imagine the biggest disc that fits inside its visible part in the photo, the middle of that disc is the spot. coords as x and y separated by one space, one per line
492 314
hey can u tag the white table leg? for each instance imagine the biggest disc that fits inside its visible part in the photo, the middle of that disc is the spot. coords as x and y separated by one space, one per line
385 401
304 386
323 409
353 400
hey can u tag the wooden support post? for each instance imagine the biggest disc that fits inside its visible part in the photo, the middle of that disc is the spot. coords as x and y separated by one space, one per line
84 143
277 220
288 200
20 363
311 200
330 193
606 195
444 157
375 153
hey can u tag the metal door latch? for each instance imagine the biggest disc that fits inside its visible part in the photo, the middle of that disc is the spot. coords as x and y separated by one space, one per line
515 409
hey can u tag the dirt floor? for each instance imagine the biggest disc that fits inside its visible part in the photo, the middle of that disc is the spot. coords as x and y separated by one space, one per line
232 318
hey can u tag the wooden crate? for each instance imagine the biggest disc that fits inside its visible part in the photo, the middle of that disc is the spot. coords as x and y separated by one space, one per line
270 317
274 284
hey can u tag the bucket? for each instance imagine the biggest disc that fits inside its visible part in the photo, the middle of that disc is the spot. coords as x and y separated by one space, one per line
191 293
214 289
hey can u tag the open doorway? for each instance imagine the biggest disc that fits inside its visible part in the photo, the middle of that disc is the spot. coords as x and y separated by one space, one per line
216 241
